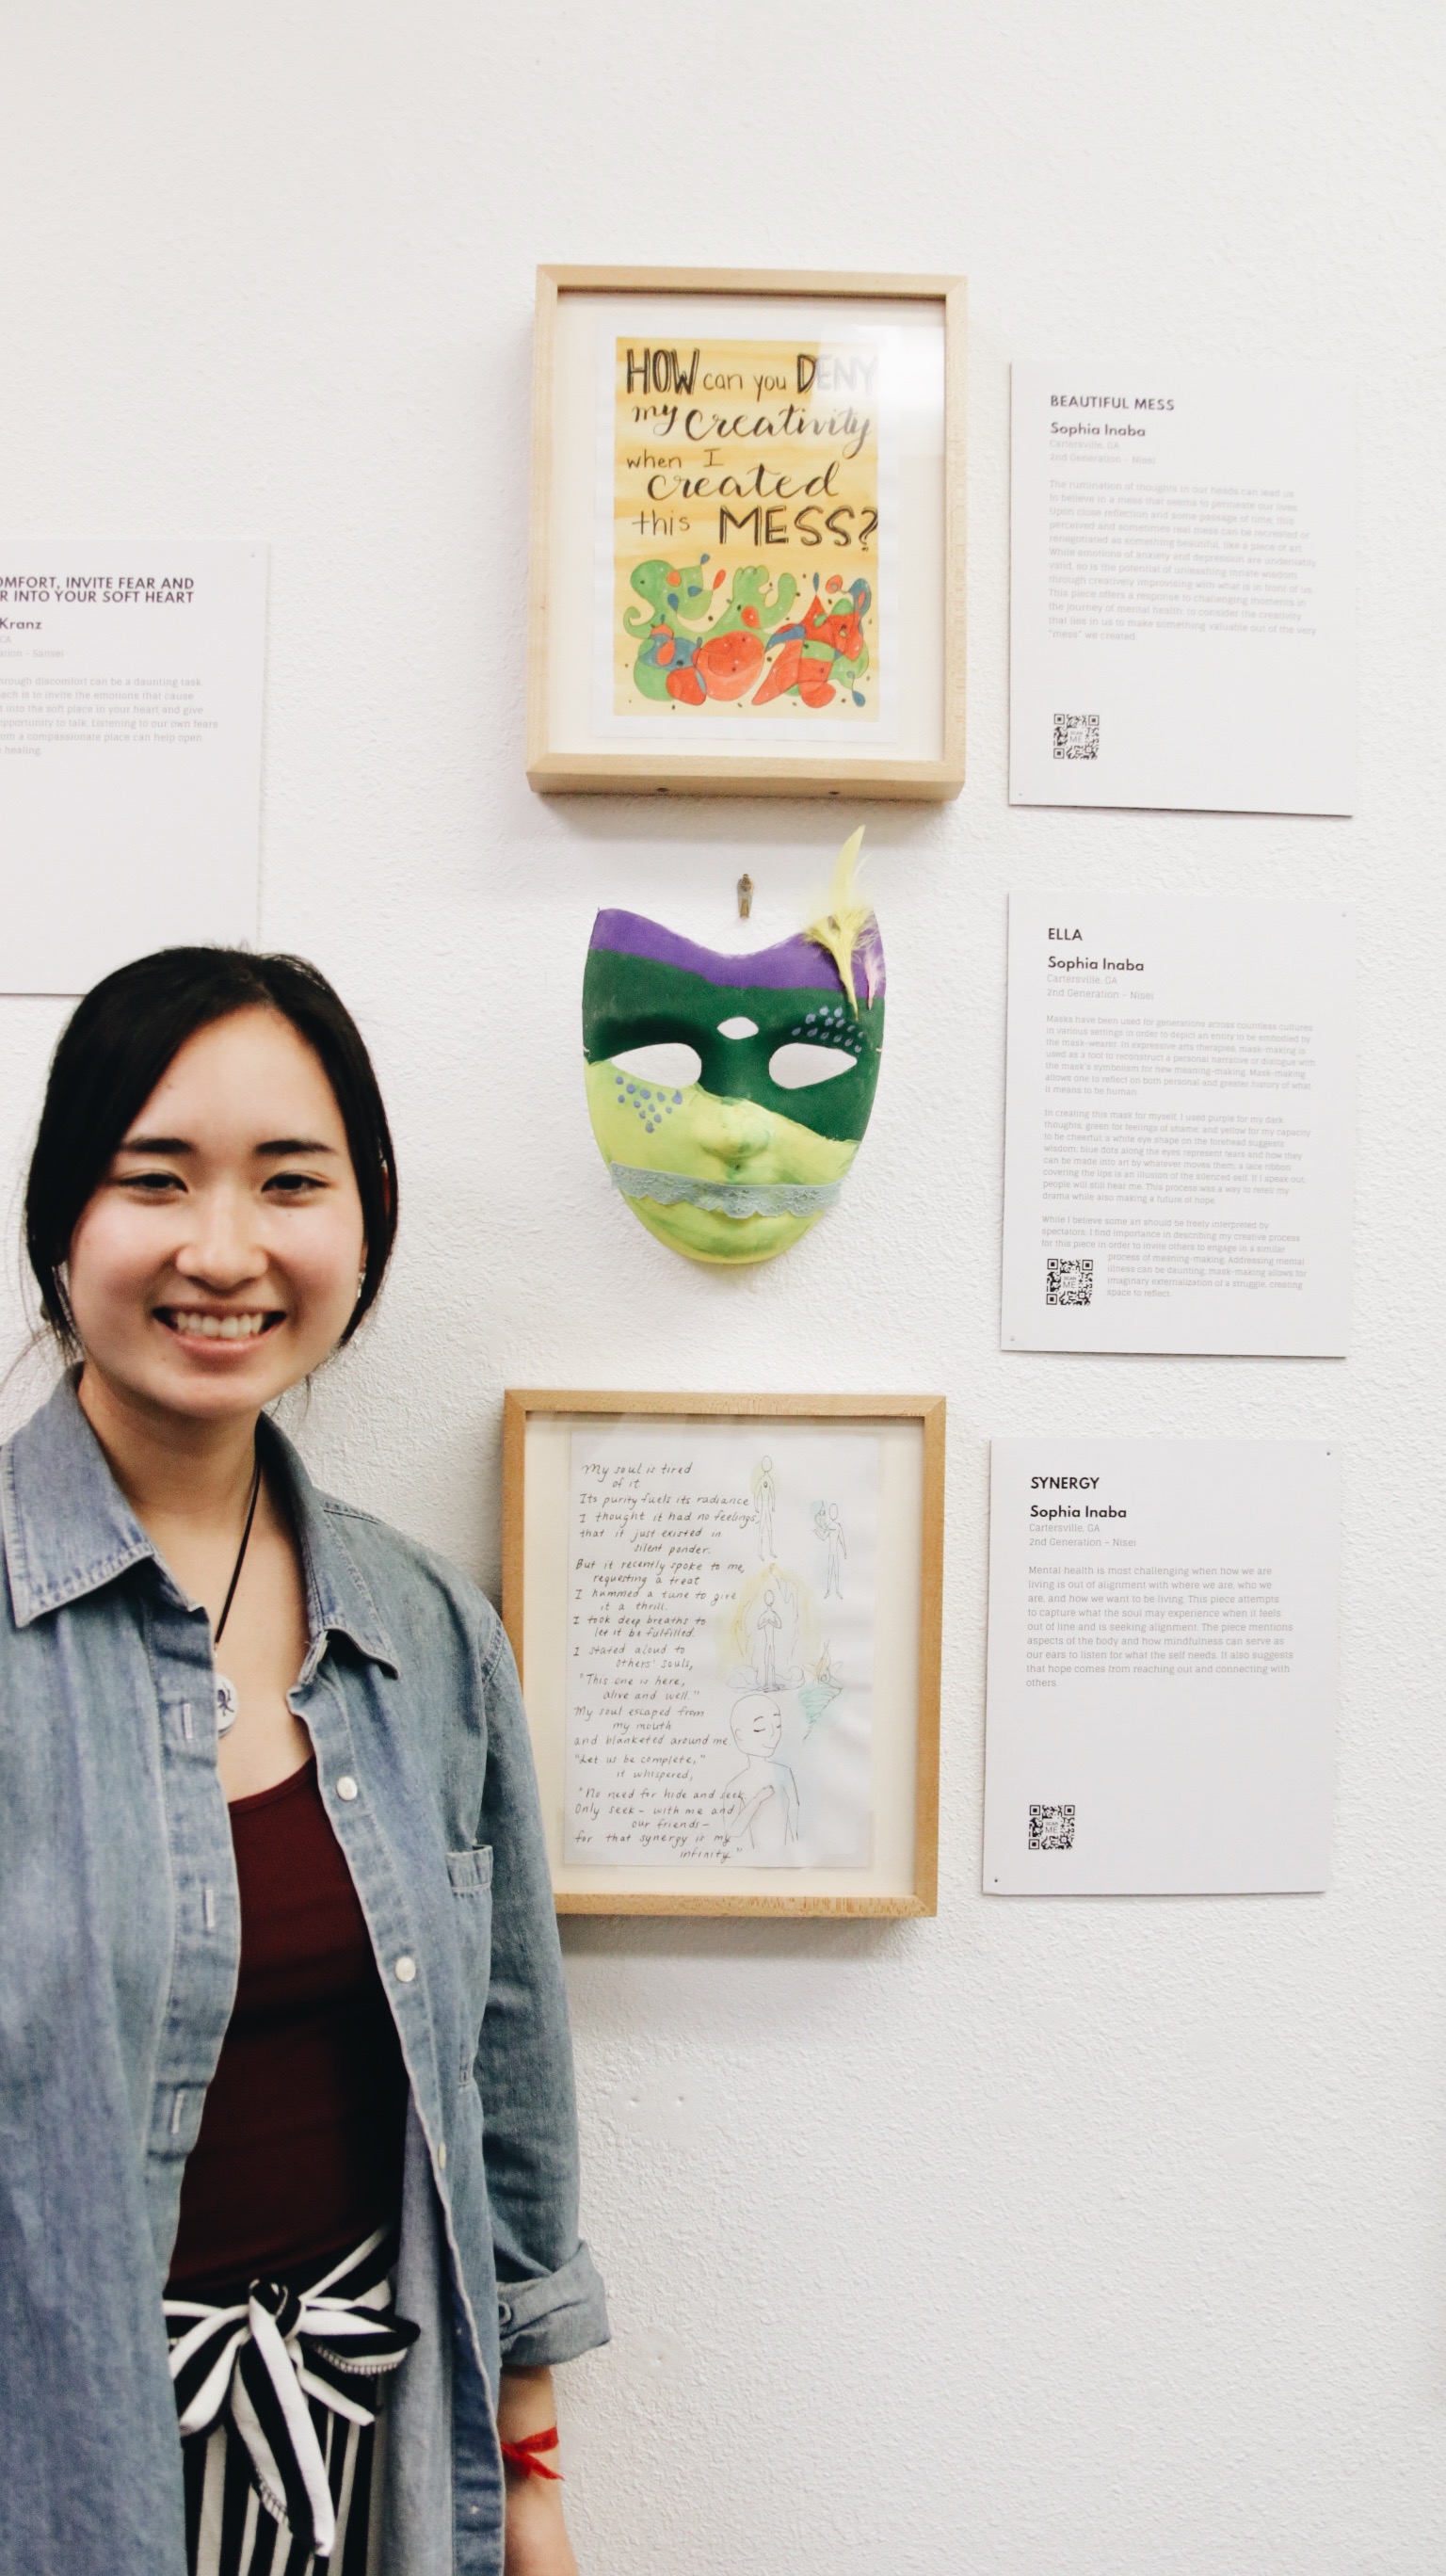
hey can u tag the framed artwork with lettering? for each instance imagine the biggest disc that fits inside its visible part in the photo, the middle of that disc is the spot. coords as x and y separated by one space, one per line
726 1611
747 534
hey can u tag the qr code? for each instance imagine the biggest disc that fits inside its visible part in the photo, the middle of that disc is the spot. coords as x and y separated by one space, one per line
1069 1283
1051 1829
1076 737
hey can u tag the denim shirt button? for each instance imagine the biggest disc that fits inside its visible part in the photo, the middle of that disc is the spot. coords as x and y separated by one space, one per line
406 1968
346 1787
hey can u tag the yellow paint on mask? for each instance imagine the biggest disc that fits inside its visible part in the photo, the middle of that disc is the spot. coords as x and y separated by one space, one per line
723 1141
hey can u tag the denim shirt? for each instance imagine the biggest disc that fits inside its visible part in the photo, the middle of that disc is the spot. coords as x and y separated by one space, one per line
119 1947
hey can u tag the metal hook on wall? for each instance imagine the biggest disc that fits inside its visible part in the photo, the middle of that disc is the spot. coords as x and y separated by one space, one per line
745 896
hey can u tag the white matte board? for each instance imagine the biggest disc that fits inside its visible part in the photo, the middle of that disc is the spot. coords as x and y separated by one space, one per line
878 1651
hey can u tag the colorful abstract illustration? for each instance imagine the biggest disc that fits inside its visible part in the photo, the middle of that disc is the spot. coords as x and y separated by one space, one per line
729 1094
755 464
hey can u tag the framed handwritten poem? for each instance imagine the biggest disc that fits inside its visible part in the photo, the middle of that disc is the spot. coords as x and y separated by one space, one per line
726 1610
747 534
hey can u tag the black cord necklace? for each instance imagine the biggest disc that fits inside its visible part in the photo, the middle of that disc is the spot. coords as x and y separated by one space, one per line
226 1700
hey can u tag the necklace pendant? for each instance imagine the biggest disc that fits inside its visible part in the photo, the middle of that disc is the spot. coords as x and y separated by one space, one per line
227 1705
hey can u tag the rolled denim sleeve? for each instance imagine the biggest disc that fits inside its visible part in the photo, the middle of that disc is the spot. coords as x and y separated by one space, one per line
550 2301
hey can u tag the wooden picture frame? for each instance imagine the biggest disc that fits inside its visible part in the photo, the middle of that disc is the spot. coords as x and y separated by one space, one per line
885 1750
857 690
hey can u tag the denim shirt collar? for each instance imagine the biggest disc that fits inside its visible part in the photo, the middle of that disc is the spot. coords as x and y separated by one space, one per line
68 1529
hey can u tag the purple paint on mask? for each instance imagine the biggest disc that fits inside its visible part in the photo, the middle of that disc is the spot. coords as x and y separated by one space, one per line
788 967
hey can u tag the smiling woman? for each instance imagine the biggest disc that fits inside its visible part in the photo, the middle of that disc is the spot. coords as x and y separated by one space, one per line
116 1074
286 2136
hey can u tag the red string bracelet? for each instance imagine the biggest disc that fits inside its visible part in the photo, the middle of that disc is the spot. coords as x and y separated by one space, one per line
523 2454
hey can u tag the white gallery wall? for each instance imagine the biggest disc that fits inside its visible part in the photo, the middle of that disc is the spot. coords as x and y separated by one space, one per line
1046 2238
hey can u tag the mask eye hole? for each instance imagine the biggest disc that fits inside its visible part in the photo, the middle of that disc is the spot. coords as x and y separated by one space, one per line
670 1062
798 1065
738 1027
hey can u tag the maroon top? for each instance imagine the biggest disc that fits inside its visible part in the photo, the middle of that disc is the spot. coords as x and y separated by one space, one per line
300 2147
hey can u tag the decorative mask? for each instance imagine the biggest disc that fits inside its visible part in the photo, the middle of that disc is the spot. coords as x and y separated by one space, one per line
728 1094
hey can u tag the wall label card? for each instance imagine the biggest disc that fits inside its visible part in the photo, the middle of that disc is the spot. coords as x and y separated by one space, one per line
1182 588
130 752
720 1654
1162 1666
1179 1125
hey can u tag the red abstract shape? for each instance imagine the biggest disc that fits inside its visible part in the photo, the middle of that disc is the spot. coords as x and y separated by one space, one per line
686 686
782 674
814 686
729 663
843 631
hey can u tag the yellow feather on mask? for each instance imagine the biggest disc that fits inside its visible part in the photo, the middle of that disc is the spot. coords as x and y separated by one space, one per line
841 926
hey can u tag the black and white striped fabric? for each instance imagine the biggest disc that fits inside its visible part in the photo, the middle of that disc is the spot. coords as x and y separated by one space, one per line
276 2401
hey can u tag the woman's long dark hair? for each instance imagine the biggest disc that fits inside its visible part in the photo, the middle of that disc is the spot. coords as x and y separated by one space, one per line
113 1052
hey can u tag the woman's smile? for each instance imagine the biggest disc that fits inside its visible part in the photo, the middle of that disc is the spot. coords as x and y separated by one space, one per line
218 1323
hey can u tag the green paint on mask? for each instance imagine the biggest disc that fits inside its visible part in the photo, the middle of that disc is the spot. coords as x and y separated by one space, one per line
631 1001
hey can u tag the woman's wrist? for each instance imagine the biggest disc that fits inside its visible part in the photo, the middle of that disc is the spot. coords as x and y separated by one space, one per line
537 2541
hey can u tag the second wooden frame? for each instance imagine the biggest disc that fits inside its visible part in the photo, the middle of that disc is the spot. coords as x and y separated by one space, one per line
903 1875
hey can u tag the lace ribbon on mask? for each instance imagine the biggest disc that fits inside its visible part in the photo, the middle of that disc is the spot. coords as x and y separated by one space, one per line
725 1198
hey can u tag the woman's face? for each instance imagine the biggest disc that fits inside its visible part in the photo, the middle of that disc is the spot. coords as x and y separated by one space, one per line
217 1261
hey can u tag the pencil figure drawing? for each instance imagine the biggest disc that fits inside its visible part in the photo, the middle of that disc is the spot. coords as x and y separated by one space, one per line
830 1530
765 1497
763 1796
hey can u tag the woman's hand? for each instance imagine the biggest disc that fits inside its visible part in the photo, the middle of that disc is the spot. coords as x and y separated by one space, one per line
536 2533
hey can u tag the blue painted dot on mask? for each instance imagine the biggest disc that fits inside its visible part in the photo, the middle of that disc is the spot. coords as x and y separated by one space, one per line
678 1098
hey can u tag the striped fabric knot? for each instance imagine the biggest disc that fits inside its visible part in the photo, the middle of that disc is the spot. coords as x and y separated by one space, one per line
262 2360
